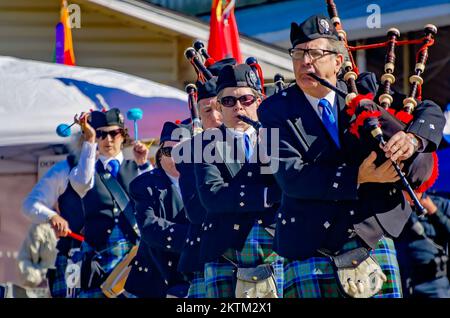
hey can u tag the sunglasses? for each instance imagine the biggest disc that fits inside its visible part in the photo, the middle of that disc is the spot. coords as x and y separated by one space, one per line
245 100
166 151
113 133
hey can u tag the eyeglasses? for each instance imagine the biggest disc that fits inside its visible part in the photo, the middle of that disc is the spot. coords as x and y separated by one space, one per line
113 133
245 100
314 54
166 151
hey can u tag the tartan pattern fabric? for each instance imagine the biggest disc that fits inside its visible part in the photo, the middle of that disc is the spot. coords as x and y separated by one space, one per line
59 287
315 277
197 286
116 248
257 250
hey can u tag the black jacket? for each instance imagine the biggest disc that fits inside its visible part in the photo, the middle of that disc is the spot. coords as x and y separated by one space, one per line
321 205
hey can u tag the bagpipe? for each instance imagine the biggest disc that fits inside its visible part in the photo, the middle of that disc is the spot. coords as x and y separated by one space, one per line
200 60
381 121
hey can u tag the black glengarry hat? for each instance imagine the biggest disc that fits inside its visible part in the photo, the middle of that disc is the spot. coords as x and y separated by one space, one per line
206 90
168 134
316 26
218 66
240 75
112 117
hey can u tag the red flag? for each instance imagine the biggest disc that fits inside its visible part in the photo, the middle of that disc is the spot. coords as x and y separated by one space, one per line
224 35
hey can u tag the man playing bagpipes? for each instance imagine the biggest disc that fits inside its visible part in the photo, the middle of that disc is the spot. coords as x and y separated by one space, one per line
340 205
203 97
162 221
239 199
110 229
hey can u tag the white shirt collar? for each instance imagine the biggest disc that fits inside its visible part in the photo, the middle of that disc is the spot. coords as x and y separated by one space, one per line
314 101
173 179
251 132
105 160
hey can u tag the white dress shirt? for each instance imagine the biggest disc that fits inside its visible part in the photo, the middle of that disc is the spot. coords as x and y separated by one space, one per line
39 203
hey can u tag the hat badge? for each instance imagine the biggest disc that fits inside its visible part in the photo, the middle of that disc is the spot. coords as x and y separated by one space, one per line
325 25
252 78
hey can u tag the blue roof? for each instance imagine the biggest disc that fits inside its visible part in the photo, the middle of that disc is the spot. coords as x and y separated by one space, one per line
278 16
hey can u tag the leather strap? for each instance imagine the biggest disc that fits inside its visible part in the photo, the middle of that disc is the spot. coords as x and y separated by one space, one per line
121 197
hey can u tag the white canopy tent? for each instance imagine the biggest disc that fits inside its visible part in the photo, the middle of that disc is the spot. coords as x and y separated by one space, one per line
36 97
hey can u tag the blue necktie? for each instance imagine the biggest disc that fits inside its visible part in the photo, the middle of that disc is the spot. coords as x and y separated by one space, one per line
329 120
248 147
113 167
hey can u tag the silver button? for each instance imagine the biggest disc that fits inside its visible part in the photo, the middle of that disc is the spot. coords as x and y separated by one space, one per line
279 215
340 167
242 186
326 224
170 263
344 164
431 126
198 239
192 243
335 185
168 247
283 222
109 231
352 233
283 93
394 190
169 238
115 210
165 281
135 262
210 225
107 175
421 121
171 230
205 228
292 220
249 174
140 269
259 221
352 212
146 269
242 194
242 204
116 220
236 227
187 240
338 174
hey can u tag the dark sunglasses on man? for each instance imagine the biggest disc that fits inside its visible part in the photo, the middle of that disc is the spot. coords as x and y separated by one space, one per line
245 100
113 133
166 151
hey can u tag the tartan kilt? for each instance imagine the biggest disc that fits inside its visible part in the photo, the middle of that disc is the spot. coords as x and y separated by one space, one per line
197 286
116 248
59 287
315 277
257 250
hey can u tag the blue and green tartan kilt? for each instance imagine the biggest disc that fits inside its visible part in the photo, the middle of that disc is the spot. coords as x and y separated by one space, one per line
257 250
315 277
59 286
116 248
197 286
